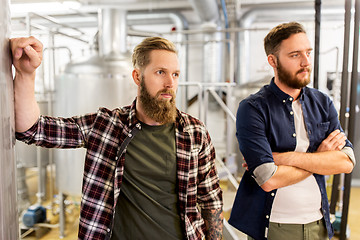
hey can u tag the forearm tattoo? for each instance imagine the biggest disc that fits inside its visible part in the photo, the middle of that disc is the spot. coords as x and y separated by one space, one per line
214 223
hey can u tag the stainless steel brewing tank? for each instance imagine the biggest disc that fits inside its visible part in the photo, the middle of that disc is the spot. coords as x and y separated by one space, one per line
8 202
83 87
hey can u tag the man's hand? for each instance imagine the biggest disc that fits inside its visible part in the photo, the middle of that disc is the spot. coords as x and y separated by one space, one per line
26 54
327 160
334 142
26 57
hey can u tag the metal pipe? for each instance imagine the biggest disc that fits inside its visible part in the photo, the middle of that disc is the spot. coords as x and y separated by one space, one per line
222 104
205 106
39 194
51 56
141 5
208 84
345 67
354 75
228 232
112 32
344 100
317 43
28 24
232 179
228 30
60 47
207 10
352 120
53 20
61 214
200 95
41 27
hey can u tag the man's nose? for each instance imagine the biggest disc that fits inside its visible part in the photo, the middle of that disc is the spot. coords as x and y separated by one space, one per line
305 60
169 81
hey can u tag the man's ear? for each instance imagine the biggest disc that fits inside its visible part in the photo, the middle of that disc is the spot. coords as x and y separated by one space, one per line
272 60
136 76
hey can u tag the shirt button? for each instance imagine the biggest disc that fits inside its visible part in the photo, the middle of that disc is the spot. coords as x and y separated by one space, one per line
130 135
267 216
291 113
284 101
291 99
272 194
108 230
294 134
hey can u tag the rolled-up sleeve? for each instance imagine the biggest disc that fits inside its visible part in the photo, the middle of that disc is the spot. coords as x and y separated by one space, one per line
54 132
253 143
264 172
350 153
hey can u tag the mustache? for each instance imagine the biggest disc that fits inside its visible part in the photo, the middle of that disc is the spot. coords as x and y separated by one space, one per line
166 91
306 69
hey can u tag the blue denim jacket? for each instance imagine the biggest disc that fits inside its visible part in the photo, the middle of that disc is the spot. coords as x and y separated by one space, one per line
265 124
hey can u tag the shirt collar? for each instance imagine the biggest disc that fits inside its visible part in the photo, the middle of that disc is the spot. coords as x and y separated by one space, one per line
132 115
282 96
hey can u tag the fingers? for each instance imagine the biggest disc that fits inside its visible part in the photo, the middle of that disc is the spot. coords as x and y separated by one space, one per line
335 141
17 53
27 54
31 45
23 42
334 134
33 55
244 165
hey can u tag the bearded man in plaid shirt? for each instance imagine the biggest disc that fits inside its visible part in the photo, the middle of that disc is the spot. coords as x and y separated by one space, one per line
149 170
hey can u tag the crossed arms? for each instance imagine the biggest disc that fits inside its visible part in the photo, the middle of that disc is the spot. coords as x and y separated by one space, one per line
293 167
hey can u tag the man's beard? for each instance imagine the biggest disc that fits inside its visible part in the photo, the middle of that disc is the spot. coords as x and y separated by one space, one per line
292 80
159 110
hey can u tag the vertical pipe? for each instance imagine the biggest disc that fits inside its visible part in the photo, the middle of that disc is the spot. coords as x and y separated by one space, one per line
317 42
352 120
345 68
112 32
8 202
28 24
344 97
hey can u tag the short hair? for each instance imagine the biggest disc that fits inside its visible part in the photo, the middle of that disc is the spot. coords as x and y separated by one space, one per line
279 33
141 53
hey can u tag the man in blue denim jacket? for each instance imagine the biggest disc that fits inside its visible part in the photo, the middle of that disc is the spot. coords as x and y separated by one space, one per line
290 137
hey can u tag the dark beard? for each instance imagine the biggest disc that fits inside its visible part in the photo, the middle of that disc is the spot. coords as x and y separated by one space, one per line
161 111
290 80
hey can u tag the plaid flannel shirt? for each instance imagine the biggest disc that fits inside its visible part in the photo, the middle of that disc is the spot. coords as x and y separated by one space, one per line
107 132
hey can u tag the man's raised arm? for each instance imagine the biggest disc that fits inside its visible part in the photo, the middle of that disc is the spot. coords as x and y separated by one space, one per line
26 57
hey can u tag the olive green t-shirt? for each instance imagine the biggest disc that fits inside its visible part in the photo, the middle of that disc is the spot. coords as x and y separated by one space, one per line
147 207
